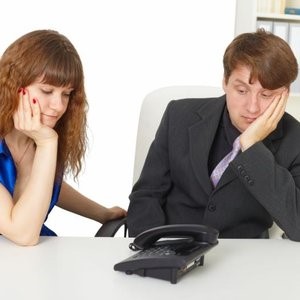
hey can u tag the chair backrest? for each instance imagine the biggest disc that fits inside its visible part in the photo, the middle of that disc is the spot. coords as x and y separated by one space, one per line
293 106
151 113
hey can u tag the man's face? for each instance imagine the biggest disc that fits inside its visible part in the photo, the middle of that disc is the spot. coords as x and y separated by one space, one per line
246 102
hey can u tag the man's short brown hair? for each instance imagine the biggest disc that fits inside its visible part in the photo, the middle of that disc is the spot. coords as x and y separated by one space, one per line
270 59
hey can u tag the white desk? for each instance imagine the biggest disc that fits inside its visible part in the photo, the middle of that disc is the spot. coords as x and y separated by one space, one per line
82 268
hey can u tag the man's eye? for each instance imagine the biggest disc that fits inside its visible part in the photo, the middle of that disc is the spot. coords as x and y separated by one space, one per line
242 92
266 96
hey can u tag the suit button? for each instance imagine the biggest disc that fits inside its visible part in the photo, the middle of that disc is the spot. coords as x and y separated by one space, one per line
243 172
212 207
249 180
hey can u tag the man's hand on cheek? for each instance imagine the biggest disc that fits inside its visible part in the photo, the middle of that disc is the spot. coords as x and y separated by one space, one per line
265 123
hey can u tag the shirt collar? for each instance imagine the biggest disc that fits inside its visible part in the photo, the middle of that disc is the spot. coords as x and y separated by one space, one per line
231 132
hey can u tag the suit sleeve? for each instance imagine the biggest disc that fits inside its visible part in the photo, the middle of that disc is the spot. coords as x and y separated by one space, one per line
274 185
150 191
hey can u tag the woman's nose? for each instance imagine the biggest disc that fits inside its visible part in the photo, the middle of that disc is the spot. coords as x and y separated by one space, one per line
56 102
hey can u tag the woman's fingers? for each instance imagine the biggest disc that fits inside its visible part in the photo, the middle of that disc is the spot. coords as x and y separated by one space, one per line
36 112
27 115
27 112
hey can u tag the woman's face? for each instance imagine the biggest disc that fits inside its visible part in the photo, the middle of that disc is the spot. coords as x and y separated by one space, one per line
53 101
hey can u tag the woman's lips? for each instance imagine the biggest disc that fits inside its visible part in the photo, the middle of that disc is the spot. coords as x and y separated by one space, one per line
49 116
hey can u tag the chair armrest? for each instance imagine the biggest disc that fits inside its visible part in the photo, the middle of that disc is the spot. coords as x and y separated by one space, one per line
110 228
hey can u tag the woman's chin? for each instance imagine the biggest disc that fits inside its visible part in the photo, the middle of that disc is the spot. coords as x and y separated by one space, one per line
48 123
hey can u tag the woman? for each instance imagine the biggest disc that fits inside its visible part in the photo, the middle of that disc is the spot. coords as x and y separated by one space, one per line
43 135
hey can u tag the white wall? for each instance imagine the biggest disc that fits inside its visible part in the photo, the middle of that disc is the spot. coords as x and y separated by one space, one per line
128 49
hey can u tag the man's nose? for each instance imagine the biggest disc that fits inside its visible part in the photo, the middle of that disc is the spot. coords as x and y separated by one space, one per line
253 104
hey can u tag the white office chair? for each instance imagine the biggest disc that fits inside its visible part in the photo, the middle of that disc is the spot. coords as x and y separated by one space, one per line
152 109
151 113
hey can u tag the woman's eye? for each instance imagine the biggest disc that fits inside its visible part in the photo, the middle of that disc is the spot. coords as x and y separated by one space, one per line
46 92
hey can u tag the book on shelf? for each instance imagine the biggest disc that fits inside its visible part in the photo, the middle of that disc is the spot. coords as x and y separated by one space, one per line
292 11
271 6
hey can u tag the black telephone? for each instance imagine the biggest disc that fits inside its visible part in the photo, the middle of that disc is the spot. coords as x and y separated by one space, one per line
170 258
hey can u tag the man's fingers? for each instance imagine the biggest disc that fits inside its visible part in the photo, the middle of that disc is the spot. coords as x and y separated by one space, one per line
279 108
276 109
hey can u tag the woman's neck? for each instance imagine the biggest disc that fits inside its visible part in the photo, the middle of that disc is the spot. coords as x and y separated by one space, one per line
16 139
18 144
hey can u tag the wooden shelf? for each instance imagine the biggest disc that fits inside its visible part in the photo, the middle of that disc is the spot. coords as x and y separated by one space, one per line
282 17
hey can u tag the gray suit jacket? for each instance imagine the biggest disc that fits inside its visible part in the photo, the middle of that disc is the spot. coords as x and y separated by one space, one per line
261 184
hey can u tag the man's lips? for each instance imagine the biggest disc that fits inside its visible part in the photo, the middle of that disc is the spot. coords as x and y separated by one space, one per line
249 119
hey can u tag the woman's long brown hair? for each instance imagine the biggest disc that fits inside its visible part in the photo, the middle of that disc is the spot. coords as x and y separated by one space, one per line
51 56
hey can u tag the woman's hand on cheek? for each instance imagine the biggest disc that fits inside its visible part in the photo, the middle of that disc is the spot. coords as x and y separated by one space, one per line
27 119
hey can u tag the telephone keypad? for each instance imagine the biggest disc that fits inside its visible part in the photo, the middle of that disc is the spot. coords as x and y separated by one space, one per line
157 251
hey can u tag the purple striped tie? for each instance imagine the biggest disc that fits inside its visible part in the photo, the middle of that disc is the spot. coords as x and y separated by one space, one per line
223 164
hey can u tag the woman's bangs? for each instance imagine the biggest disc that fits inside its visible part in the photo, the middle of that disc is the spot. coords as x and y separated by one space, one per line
63 72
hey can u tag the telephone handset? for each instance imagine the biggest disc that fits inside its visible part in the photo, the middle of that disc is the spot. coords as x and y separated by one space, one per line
181 250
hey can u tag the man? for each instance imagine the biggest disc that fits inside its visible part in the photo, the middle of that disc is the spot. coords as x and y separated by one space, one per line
261 184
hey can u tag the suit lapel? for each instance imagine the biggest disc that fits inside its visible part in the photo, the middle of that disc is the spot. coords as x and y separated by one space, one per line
201 137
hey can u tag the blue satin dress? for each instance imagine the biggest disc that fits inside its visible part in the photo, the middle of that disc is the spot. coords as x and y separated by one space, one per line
8 176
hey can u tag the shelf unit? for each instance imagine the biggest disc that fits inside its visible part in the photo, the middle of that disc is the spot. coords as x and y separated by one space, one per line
279 17
247 16
247 20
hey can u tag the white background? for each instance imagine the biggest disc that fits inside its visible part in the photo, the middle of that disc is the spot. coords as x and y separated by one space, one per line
128 49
